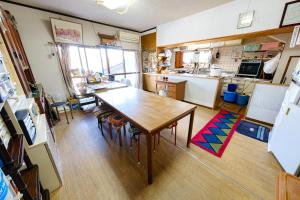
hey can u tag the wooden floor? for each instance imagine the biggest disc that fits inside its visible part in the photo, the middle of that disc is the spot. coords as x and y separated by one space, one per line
96 168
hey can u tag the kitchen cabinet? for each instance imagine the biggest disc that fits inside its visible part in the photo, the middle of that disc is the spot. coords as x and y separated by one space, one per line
178 59
199 89
175 89
148 42
265 102
149 82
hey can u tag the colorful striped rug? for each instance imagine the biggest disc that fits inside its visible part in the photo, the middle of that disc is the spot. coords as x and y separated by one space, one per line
216 134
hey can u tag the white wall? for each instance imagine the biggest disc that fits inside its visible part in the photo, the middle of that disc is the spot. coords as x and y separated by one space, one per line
286 54
221 21
35 31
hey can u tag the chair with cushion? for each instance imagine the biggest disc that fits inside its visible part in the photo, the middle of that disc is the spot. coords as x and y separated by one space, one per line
135 134
173 128
117 121
102 112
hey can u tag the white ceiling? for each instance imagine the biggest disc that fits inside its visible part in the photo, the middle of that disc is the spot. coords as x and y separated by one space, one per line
142 15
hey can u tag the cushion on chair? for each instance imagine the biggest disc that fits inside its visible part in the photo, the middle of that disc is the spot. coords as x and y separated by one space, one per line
173 125
102 109
134 130
104 116
117 120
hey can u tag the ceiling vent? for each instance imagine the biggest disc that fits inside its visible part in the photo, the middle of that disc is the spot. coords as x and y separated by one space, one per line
129 37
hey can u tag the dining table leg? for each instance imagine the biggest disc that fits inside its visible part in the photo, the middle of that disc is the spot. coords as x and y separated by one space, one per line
149 157
190 128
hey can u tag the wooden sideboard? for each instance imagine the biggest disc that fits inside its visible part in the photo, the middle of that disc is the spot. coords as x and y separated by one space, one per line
287 187
175 88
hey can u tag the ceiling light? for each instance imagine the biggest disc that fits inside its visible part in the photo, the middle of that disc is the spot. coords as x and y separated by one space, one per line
120 6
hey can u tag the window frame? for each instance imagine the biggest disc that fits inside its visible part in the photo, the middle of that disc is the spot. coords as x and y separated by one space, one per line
99 47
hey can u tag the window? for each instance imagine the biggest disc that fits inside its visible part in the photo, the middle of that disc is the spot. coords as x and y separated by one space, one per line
188 57
94 60
131 62
201 56
83 59
104 60
115 60
108 61
75 62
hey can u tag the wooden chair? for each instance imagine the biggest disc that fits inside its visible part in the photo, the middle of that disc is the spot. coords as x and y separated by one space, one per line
117 121
173 128
56 104
102 113
135 134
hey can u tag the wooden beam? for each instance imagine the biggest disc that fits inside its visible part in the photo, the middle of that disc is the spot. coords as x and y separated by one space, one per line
276 31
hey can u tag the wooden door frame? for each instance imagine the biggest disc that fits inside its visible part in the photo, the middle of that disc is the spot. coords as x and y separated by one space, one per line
287 67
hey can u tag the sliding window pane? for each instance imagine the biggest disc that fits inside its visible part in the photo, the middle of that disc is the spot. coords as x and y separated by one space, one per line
115 60
104 60
130 58
74 58
77 83
119 78
134 80
188 57
94 60
83 59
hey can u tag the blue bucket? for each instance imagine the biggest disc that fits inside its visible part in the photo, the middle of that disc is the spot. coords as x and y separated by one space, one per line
242 99
229 96
232 87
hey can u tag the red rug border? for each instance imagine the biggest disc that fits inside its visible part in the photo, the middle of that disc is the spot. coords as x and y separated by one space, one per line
226 142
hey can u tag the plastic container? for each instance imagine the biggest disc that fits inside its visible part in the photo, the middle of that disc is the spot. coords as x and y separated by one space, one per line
230 96
242 99
232 87
270 45
252 47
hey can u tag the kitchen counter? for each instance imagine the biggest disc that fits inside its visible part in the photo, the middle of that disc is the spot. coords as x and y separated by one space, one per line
186 75
200 89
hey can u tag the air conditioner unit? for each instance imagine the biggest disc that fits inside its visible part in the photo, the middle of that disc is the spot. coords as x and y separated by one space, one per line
129 37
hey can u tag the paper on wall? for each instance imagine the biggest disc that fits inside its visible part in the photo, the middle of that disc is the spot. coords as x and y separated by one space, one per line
295 37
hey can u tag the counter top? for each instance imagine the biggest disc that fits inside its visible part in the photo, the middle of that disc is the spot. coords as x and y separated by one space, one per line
186 75
171 81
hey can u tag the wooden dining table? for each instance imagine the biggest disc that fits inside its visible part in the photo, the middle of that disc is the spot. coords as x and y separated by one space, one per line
148 112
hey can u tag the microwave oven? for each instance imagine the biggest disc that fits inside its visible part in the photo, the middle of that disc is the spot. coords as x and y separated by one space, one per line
250 68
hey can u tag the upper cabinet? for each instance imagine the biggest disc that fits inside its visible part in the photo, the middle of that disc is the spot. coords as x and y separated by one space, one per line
16 51
149 42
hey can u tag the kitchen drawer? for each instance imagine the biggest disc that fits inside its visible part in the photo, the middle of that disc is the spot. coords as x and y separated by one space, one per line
172 94
172 88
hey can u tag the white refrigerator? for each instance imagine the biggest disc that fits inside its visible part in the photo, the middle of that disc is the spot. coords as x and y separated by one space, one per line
284 140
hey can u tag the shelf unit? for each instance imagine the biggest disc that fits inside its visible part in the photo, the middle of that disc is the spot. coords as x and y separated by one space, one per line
13 156
16 50
43 151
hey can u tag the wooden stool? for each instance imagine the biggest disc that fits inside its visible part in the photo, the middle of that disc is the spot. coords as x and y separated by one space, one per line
102 112
171 126
135 132
117 121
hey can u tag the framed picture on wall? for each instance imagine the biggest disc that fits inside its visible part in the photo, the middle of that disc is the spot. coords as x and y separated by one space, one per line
66 32
291 14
